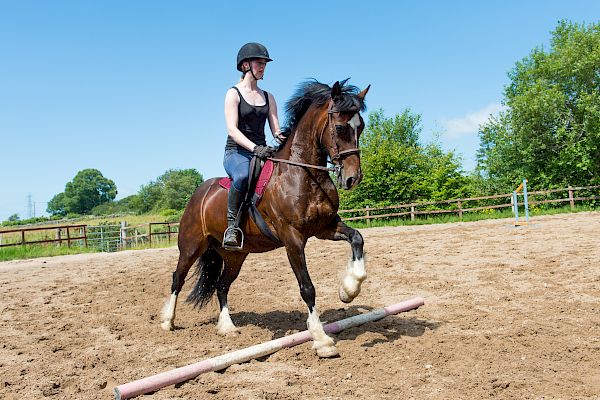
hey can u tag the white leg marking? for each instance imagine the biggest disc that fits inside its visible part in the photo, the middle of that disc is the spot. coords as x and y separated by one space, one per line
356 273
225 325
322 343
168 313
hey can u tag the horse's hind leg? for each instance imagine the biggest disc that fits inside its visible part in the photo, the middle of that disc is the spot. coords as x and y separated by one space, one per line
189 251
355 271
233 264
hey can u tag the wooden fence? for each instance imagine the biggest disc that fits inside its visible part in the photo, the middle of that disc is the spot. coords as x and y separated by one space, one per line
118 237
19 236
457 206
102 237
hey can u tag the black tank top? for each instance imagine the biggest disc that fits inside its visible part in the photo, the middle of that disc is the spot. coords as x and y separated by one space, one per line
251 122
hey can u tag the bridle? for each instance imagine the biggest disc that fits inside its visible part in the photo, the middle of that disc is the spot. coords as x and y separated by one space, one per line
337 154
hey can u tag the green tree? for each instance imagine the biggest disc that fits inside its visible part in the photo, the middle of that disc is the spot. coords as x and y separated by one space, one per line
124 205
178 187
57 206
88 189
550 133
398 169
171 190
14 218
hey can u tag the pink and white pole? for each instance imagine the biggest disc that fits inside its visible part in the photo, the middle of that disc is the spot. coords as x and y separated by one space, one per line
152 383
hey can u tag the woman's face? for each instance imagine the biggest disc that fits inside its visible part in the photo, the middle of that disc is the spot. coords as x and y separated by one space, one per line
258 67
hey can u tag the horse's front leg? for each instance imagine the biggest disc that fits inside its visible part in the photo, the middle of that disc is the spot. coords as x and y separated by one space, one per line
356 272
323 344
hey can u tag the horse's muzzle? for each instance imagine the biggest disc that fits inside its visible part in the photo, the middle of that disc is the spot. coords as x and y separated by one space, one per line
351 181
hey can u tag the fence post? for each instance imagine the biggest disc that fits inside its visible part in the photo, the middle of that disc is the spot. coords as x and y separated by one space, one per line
68 237
525 201
169 232
23 237
368 214
123 234
58 237
571 200
85 235
412 212
150 234
460 211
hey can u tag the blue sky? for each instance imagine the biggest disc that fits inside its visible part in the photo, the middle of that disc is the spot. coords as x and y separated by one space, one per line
134 88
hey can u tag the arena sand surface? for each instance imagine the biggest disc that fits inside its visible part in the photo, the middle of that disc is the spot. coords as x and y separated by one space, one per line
511 313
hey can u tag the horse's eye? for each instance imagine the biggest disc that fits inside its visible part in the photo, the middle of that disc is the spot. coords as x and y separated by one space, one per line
339 129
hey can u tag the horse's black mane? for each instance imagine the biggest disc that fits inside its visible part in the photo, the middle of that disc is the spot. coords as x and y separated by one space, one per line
313 92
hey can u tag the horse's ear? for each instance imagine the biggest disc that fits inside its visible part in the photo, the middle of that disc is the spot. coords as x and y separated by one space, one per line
336 90
362 94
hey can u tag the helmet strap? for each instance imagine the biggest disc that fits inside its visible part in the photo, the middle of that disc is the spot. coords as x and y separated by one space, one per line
252 72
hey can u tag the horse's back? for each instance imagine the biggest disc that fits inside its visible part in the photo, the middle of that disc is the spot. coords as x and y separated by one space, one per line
205 213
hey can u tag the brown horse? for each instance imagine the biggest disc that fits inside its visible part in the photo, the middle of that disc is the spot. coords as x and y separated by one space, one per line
299 202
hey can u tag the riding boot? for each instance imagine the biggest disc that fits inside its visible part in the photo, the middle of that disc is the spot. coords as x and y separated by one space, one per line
233 238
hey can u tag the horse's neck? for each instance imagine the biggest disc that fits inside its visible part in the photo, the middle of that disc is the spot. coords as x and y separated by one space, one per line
303 144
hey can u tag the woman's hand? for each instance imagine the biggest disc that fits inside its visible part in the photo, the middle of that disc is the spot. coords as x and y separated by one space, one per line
263 152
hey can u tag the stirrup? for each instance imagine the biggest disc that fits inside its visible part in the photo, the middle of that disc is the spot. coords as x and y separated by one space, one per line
230 247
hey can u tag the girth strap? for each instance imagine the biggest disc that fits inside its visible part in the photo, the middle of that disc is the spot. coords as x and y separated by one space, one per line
262 225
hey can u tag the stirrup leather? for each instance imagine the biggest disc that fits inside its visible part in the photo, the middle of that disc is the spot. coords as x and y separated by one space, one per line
233 247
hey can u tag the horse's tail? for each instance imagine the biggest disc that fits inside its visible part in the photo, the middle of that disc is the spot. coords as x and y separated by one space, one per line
209 268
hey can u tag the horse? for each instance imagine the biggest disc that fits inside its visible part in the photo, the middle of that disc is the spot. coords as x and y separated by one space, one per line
299 202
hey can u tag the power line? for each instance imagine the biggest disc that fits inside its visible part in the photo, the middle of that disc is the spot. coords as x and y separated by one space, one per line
30 207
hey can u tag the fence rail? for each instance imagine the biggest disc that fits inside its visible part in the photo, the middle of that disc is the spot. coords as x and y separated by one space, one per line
457 205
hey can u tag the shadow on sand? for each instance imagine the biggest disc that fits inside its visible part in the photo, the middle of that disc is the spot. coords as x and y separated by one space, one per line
282 323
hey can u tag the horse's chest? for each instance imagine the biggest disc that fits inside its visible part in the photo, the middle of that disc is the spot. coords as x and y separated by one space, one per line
322 202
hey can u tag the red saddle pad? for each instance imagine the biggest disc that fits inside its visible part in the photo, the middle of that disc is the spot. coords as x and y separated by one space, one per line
263 179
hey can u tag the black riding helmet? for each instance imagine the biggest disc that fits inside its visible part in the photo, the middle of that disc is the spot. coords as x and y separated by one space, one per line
250 51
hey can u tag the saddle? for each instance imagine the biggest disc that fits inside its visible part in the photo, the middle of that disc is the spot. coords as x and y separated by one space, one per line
259 177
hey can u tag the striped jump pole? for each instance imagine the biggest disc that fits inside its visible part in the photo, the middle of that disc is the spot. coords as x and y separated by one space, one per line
152 383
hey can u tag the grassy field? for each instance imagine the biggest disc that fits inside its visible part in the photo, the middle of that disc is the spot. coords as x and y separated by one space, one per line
52 249
36 251
131 219
25 252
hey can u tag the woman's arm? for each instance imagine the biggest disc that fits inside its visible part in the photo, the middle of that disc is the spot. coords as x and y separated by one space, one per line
232 101
274 119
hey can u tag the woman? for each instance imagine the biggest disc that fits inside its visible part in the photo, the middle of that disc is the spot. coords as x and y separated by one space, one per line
247 108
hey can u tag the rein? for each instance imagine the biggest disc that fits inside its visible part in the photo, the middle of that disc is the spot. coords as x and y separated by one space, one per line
337 167
299 164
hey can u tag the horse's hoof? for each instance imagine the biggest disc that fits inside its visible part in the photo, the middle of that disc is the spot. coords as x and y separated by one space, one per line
344 296
167 326
234 331
328 352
